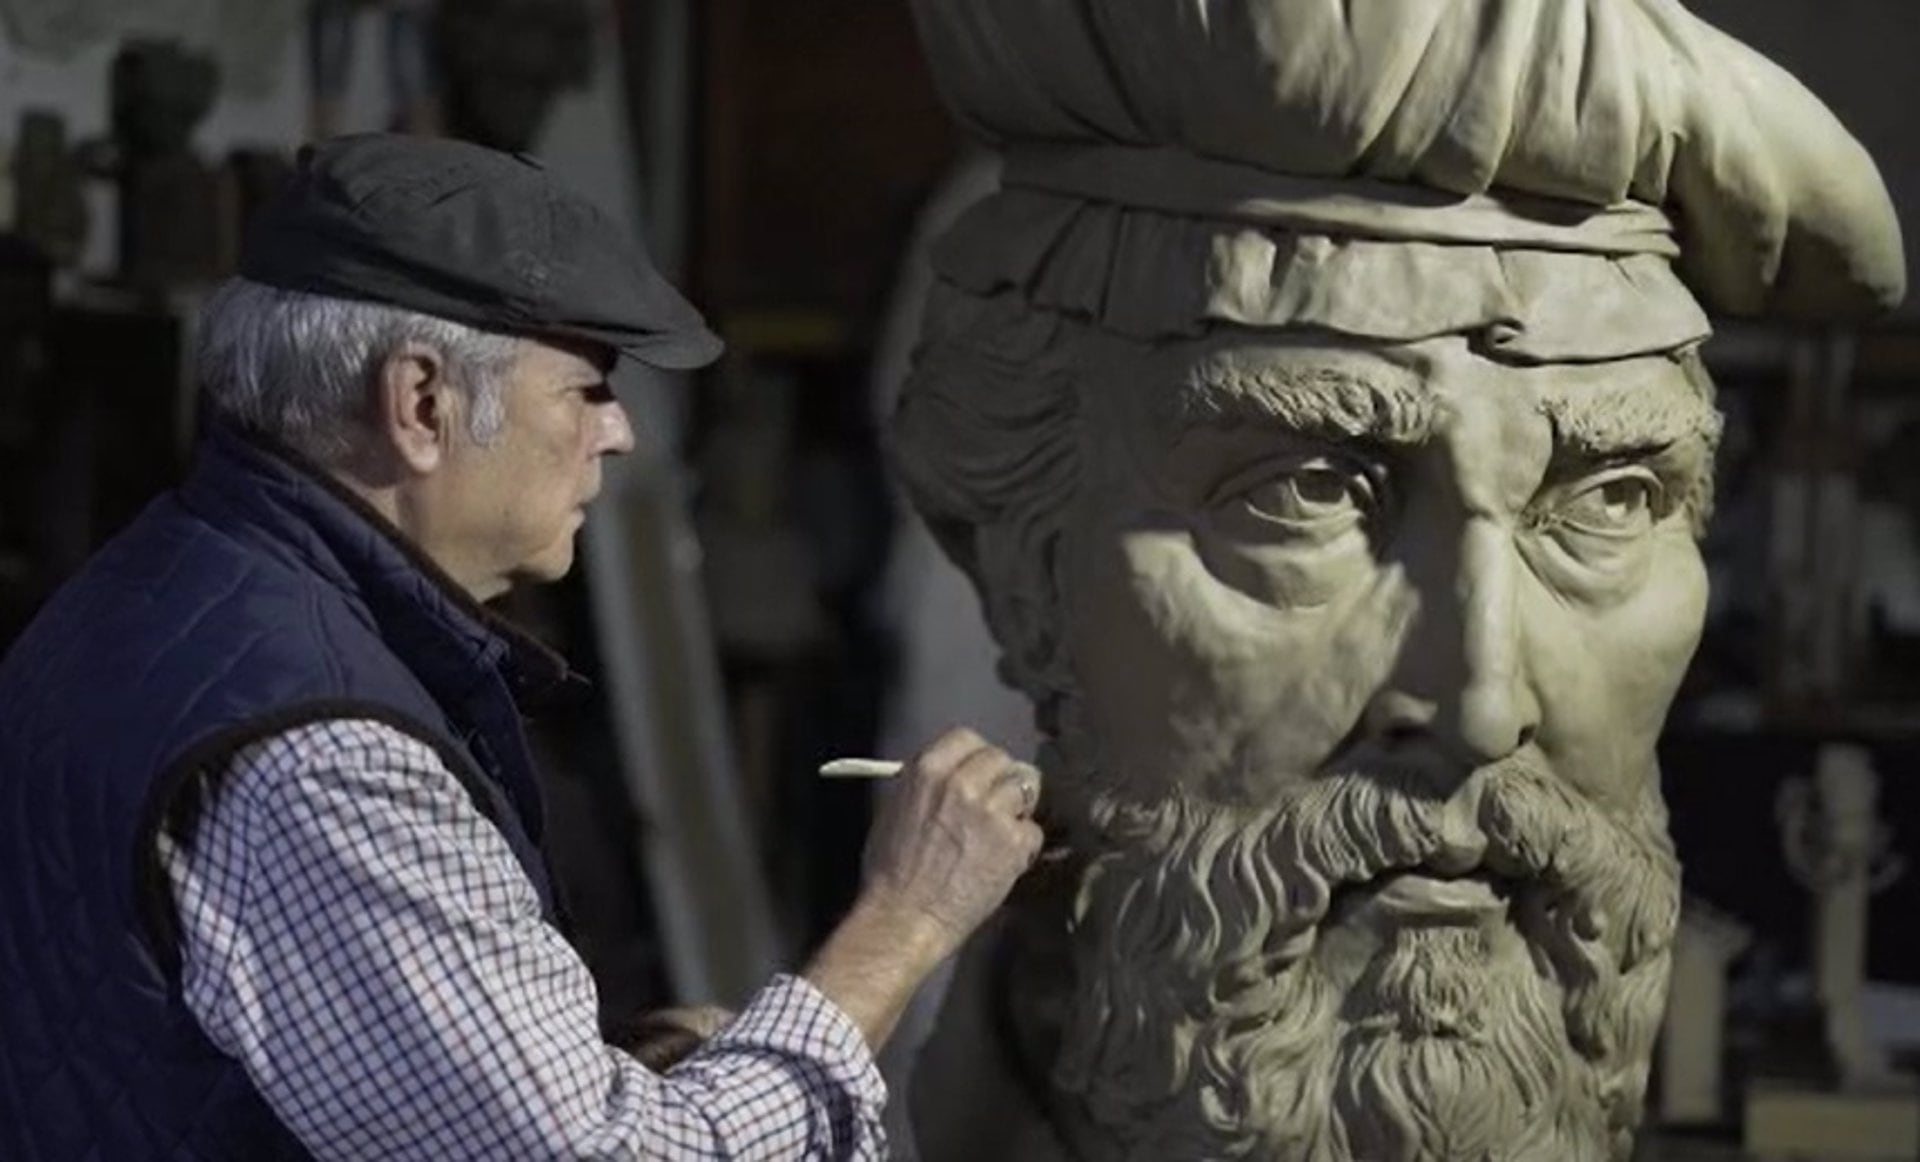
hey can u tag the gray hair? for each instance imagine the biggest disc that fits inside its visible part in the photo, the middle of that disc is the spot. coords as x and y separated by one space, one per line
300 367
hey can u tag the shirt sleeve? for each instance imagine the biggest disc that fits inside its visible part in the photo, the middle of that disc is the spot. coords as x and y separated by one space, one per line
364 942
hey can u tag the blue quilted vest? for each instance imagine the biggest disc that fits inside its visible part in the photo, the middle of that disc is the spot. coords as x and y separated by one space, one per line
256 597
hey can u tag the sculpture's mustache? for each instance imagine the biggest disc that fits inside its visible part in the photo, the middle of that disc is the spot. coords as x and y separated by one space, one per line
1586 878
1576 865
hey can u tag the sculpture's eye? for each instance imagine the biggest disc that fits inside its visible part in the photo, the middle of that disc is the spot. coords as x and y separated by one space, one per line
1620 502
1310 491
1295 528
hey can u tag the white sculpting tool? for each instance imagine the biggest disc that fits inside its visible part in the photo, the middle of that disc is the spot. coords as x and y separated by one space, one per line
888 768
861 769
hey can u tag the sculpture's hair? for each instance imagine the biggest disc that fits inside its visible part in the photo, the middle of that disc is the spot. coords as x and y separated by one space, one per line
986 440
301 367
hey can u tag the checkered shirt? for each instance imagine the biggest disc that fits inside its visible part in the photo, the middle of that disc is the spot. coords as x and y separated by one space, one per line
364 942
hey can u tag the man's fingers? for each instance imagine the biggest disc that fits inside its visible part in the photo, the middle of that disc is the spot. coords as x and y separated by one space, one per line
1016 789
978 800
946 753
1034 838
991 776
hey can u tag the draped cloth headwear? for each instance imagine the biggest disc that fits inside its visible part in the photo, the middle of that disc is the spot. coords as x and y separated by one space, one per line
1560 179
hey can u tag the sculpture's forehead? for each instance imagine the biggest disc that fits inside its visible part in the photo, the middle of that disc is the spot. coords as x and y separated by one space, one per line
1397 392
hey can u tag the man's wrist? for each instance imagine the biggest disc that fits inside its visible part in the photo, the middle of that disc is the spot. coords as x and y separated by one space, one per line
917 939
879 955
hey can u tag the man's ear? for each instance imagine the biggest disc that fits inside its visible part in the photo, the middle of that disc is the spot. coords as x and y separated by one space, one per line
416 408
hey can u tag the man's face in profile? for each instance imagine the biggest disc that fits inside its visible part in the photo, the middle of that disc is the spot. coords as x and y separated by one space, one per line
1370 647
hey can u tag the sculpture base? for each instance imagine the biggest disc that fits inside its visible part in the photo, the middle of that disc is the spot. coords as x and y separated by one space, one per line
1787 1120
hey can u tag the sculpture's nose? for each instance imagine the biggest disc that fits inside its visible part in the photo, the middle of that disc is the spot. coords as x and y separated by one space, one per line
1461 682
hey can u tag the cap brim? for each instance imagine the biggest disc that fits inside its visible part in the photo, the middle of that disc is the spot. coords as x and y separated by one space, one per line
684 351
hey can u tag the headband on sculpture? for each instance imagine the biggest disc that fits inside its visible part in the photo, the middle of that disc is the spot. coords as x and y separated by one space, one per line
1560 177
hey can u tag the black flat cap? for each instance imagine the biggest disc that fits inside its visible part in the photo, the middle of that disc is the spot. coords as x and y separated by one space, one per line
470 234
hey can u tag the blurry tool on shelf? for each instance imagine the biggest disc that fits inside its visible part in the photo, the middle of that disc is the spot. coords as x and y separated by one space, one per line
1837 846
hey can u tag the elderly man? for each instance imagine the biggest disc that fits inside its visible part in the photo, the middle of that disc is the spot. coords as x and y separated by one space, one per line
1317 407
274 886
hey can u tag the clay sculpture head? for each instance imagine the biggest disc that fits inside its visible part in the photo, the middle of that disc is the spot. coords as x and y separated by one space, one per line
1317 408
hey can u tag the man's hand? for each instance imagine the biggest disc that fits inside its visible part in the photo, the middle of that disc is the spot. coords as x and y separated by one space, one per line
953 834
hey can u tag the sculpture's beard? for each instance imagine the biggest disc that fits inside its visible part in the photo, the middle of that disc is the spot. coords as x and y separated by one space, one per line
1240 990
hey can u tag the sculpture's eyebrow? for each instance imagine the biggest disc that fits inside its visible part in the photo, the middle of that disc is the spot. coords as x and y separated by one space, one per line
1382 405
1620 416
1628 417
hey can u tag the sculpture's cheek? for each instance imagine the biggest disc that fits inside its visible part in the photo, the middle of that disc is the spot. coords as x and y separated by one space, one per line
1605 676
1183 674
1294 576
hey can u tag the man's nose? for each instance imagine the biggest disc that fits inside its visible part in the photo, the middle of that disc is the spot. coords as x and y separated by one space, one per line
1461 681
616 429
